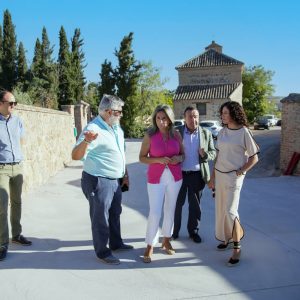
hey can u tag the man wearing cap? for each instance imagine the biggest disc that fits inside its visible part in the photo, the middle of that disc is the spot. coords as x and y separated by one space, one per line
101 146
11 177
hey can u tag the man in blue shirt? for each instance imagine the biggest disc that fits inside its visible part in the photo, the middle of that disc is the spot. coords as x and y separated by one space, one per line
101 146
11 176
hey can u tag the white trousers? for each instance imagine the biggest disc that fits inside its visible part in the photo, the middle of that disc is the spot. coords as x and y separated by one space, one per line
166 193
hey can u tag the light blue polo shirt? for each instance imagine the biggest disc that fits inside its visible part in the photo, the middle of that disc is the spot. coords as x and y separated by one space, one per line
11 133
105 155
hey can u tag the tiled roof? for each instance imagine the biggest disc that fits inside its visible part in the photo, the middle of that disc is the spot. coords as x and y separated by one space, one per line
210 58
198 92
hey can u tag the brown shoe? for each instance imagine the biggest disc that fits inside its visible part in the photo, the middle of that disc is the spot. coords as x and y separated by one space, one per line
166 245
147 254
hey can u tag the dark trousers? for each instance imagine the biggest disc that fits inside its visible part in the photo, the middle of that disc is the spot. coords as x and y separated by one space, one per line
104 196
193 184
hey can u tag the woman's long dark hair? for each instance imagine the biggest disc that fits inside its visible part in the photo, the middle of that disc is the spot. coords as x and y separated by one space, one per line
236 112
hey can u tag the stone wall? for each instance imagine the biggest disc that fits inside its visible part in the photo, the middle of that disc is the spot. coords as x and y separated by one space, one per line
207 76
290 131
212 113
49 139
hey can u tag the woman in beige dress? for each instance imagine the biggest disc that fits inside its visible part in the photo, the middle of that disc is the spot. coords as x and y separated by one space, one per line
236 154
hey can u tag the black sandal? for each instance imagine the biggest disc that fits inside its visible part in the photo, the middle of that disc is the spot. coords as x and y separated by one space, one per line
223 246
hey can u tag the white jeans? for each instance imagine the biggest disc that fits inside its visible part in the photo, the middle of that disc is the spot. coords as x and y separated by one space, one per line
166 193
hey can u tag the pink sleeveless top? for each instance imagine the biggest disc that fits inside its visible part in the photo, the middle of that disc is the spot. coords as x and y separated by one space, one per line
161 148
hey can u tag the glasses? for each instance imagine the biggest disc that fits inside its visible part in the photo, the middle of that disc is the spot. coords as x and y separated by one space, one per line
10 103
120 112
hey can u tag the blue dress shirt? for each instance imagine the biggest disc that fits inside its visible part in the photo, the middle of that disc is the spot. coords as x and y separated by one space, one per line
11 133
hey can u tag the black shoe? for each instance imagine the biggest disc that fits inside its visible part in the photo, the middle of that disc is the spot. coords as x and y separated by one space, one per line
174 236
237 255
3 252
123 247
233 262
21 240
196 238
222 246
110 260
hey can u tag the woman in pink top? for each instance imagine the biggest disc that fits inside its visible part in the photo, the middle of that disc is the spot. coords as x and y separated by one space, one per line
162 149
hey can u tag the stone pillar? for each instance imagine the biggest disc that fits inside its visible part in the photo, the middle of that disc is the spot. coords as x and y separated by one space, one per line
290 131
82 114
70 109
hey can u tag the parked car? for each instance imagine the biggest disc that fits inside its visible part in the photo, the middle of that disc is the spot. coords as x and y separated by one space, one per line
272 119
213 126
262 122
178 122
278 123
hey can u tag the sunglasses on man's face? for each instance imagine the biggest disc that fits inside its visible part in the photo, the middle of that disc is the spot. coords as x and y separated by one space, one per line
10 103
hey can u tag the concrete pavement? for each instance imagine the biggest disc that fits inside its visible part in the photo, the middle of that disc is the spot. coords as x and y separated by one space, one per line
61 263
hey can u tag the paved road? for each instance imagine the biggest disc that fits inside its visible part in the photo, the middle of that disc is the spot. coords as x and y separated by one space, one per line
269 157
61 263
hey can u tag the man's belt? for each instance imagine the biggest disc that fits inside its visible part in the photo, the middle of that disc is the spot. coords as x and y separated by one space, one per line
189 172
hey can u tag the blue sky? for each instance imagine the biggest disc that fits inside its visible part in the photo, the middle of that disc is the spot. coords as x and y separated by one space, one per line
169 32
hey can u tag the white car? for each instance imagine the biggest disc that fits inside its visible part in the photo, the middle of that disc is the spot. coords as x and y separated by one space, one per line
272 119
213 126
178 122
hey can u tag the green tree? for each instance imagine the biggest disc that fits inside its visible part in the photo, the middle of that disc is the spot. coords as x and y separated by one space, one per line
127 74
107 80
151 91
37 57
22 68
92 97
272 106
257 88
9 53
23 97
78 66
44 74
65 90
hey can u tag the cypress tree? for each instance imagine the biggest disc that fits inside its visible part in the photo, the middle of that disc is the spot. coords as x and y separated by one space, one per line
21 67
37 57
65 91
44 82
49 71
78 66
46 63
127 74
9 53
107 80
